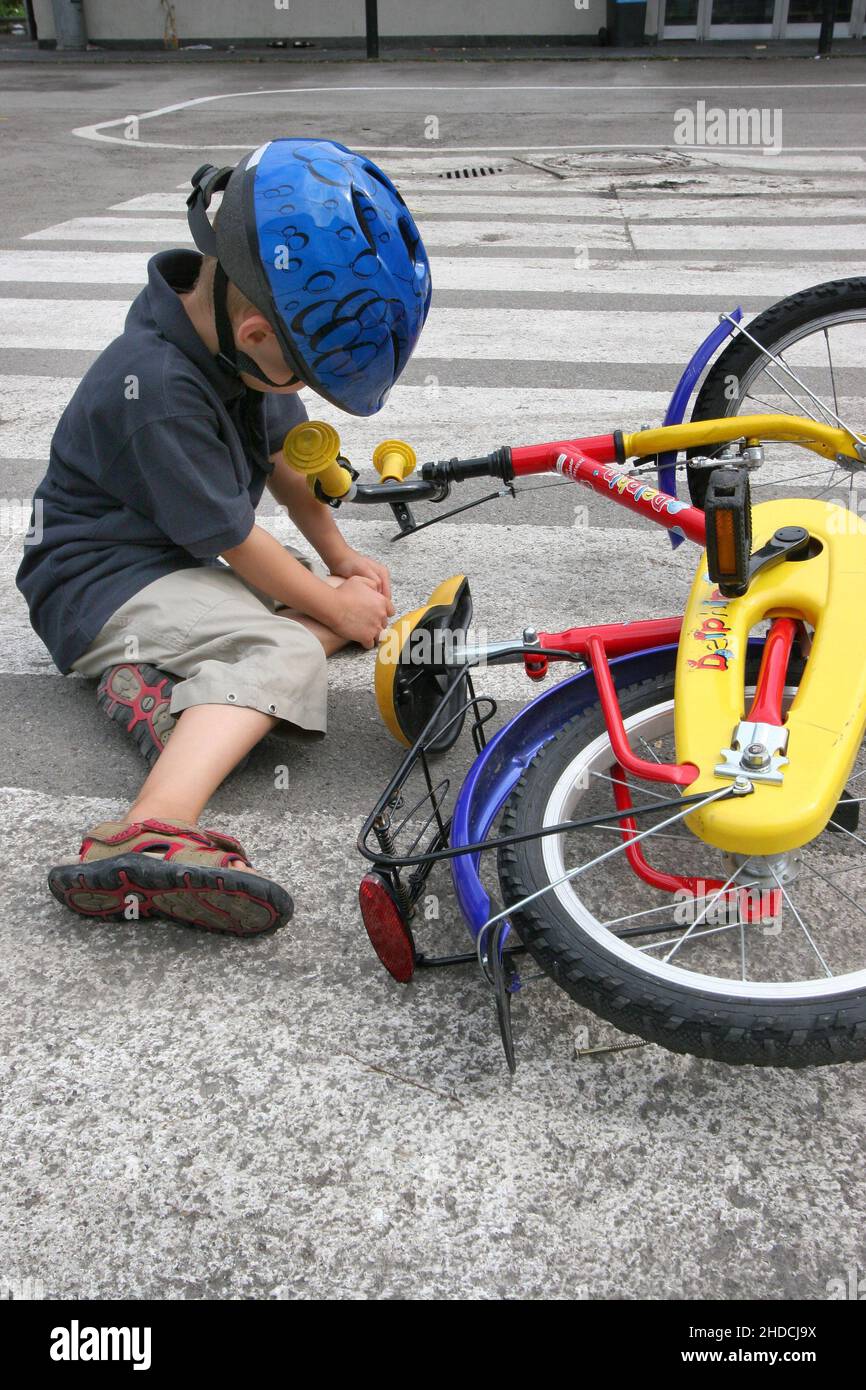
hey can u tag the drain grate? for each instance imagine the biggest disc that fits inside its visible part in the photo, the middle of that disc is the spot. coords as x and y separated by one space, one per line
474 171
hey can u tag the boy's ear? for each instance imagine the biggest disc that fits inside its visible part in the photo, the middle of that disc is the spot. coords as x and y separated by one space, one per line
253 329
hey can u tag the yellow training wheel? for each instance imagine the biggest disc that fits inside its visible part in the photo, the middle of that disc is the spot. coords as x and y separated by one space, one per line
313 448
412 670
394 460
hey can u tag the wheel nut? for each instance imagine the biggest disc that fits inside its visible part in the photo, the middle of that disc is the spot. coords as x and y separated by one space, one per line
755 756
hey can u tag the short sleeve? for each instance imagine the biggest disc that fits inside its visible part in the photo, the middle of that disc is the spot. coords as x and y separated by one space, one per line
280 415
182 477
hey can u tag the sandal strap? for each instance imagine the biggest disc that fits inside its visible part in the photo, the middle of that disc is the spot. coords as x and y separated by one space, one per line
223 841
178 841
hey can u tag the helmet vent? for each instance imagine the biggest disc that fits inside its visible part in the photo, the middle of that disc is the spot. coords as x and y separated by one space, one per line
410 237
362 213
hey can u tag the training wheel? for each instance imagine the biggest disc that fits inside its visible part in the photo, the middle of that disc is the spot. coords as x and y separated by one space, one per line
411 678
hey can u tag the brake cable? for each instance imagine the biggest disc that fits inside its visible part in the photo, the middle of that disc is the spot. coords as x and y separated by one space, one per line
508 490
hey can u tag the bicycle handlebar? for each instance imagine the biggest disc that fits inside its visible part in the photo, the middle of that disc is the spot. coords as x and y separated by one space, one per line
313 449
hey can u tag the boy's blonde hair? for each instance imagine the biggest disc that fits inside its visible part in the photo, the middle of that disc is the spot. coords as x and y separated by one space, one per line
237 303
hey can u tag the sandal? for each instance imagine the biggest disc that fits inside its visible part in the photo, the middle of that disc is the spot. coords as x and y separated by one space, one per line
138 698
174 871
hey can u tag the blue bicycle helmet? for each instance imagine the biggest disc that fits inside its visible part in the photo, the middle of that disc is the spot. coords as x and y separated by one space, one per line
321 242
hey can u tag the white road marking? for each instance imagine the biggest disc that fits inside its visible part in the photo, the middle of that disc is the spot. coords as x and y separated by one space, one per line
97 131
173 231
730 278
74 267
839 236
439 421
559 335
471 335
472 203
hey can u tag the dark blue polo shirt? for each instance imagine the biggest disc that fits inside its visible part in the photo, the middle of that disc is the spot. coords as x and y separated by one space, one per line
157 464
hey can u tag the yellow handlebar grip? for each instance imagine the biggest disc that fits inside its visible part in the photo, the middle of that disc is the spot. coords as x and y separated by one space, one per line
394 460
312 448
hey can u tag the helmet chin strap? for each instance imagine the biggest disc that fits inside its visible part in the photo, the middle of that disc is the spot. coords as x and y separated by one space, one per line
229 354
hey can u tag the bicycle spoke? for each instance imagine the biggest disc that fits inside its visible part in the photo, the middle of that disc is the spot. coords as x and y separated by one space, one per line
768 406
571 874
621 830
660 907
703 912
698 936
810 868
742 950
802 409
806 933
832 374
644 791
800 478
846 831
651 751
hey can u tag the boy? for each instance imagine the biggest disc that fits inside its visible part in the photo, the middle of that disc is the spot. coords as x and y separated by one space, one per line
313 273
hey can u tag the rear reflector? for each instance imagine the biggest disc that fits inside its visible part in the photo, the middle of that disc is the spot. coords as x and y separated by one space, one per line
387 928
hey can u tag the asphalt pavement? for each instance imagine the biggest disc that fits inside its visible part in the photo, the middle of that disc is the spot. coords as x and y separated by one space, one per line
189 1117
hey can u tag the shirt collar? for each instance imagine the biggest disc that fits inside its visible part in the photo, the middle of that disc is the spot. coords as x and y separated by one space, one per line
170 272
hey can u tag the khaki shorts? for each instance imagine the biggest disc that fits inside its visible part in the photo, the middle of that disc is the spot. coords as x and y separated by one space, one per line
227 641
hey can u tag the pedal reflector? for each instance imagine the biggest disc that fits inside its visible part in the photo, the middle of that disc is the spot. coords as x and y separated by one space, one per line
728 510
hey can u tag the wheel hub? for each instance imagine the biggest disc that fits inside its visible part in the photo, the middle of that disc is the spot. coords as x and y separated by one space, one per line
767 871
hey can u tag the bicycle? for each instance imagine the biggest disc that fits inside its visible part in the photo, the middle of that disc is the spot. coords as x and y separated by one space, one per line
726 945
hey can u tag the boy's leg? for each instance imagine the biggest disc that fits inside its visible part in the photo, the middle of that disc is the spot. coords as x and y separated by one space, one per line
207 742
182 781
330 640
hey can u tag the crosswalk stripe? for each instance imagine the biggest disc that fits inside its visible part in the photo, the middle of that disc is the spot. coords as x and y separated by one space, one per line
777 237
470 334
673 237
599 274
557 274
568 204
437 420
636 184
173 231
557 335
74 267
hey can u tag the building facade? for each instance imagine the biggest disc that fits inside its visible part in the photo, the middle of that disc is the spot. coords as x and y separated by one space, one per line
342 23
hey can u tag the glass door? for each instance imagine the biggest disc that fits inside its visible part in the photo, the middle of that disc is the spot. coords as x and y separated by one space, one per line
803 19
742 19
678 19
756 19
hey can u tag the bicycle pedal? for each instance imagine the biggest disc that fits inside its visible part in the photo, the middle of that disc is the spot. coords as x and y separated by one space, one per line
728 510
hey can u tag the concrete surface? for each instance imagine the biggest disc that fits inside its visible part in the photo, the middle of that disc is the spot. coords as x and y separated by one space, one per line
186 1117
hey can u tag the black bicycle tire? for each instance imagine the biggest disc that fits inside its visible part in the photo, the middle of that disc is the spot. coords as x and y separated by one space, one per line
736 1030
769 328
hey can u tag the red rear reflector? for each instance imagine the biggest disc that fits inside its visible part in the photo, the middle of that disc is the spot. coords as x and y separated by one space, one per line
388 931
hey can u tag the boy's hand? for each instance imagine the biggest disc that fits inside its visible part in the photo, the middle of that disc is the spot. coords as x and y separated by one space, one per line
352 564
360 610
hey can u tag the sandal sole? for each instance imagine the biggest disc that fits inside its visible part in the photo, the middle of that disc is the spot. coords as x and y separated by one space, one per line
138 698
133 887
